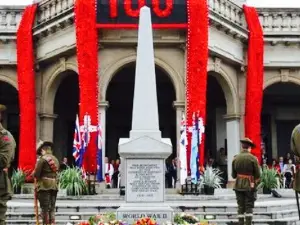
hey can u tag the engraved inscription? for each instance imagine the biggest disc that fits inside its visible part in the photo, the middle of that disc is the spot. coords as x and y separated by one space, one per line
145 180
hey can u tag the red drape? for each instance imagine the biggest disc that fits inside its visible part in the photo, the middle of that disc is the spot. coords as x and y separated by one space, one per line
26 85
87 57
197 57
254 88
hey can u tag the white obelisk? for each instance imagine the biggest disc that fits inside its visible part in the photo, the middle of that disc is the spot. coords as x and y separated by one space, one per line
144 153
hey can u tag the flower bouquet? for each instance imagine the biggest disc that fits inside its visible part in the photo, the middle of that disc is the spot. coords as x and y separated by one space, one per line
186 219
145 221
104 219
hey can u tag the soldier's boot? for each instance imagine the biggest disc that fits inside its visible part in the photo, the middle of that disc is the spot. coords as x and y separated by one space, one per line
241 220
248 219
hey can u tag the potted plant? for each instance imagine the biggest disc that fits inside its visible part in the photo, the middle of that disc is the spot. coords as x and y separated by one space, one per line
71 180
268 180
18 179
211 179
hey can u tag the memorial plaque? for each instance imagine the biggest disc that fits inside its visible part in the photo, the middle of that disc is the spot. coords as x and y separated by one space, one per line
145 180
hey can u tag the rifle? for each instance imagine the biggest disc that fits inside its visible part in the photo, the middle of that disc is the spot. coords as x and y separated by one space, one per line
296 192
297 199
36 207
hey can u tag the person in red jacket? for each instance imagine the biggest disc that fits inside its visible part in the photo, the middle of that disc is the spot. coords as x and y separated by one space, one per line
275 166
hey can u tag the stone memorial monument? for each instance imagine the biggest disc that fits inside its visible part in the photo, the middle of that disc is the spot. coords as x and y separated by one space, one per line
144 153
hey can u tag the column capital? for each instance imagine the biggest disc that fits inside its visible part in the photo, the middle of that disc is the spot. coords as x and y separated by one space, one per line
179 104
48 116
229 117
103 104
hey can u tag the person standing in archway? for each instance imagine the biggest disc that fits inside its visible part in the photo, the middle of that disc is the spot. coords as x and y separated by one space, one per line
7 152
246 171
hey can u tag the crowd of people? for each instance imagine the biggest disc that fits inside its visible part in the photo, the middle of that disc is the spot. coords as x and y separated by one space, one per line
285 167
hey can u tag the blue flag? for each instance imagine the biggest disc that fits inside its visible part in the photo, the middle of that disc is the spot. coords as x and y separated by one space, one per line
194 153
99 155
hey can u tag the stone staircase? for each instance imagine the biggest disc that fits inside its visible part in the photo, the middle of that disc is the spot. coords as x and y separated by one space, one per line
222 207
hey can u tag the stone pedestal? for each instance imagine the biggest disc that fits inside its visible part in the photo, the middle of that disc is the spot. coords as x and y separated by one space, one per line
144 153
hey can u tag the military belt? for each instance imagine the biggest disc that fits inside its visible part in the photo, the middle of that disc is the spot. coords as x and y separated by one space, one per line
244 176
249 177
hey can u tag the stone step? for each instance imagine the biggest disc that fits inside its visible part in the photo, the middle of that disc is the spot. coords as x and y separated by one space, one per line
290 221
61 215
287 221
169 197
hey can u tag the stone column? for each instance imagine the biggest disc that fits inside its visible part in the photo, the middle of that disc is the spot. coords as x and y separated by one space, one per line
102 117
233 141
47 126
179 107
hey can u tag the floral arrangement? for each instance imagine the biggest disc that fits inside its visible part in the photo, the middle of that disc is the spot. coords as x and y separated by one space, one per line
186 219
104 219
145 221
110 219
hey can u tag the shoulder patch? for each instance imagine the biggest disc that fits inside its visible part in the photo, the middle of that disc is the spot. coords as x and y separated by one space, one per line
5 138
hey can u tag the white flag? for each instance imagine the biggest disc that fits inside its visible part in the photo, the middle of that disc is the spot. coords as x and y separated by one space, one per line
182 152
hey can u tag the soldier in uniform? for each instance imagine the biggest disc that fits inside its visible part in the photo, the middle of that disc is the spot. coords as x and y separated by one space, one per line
7 153
246 171
46 173
295 147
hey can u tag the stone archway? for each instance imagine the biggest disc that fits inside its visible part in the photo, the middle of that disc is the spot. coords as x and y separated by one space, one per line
59 108
65 108
119 114
222 130
11 117
51 85
176 79
280 114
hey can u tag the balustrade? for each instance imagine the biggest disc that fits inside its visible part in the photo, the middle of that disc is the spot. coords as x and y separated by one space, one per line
49 9
280 21
10 18
274 21
228 10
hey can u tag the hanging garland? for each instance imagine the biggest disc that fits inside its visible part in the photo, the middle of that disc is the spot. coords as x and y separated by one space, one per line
254 89
197 58
165 12
26 84
87 57
133 12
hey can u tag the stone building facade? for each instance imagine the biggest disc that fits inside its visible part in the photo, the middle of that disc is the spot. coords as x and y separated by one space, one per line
57 81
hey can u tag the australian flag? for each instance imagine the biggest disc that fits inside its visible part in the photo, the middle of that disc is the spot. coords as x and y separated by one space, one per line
99 155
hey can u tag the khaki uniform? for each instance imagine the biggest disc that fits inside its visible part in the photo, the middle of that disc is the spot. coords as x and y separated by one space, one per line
45 172
7 153
295 147
246 171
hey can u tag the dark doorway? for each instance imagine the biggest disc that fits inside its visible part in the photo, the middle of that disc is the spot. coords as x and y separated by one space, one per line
11 117
215 124
119 114
280 114
66 107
